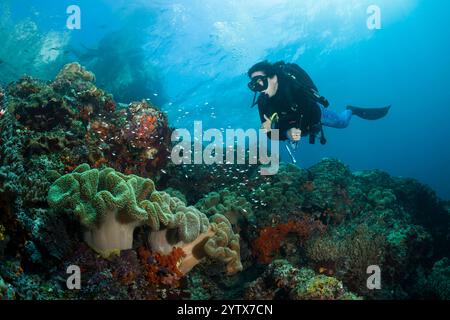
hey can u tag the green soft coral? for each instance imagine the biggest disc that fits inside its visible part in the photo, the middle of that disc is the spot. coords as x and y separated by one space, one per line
110 205
170 212
122 202
224 244
196 235
107 203
92 194
236 208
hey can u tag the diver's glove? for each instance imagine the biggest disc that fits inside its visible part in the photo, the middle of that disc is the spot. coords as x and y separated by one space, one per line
294 134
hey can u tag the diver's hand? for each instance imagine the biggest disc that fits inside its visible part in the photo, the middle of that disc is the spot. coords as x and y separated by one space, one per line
267 125
294 134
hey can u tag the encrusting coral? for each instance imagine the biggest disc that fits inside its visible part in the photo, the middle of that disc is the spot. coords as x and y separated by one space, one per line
110 205
281 280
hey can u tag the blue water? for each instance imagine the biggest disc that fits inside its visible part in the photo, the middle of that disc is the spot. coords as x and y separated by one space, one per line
199 52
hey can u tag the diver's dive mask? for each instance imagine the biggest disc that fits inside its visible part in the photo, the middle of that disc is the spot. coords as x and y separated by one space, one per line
258 83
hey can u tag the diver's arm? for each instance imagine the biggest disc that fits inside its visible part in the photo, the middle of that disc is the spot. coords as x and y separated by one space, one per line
286 131
283 126
266 126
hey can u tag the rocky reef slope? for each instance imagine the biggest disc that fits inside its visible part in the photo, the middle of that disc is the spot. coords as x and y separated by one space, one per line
86 182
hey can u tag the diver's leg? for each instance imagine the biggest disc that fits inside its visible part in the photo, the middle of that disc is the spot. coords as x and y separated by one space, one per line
333 119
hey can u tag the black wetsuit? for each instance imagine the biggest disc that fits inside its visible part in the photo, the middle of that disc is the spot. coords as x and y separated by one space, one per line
293 107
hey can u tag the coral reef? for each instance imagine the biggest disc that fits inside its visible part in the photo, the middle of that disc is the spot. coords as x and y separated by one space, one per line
437 283
365 218
162 269
105 202
280 193
48 128
224 245
348 257
218 242
3 240
110 205
440 279
271 238
229 204
281 280
122 276
77 183
6 291
197 180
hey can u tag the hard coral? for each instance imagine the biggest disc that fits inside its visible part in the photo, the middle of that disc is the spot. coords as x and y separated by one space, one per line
132 140
7 291
349 256
121 276
382 198
281 280
77 83
321 288
73 72
37 106
146 125
439 280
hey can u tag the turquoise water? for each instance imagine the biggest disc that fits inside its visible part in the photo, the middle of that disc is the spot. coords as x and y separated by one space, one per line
191 58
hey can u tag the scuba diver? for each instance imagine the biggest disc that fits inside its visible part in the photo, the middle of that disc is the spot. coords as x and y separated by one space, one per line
289 101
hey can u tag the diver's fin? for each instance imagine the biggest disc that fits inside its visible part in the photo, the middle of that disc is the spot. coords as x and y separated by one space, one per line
369 113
